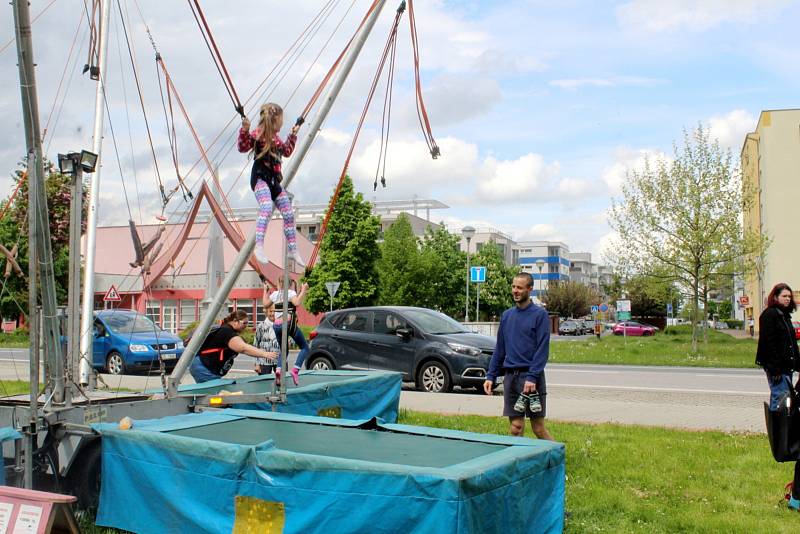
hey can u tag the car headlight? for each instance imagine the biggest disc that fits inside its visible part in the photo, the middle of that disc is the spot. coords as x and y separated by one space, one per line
179 345
138 348
464 349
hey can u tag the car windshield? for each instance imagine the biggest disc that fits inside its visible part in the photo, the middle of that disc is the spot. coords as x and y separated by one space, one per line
130 323
433 322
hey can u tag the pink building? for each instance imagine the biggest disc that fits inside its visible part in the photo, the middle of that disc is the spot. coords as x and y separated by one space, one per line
172 293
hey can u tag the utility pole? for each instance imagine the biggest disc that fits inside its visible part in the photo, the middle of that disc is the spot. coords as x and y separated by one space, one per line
87 304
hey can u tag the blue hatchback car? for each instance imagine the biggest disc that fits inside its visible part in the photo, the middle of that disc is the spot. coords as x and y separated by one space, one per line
126 340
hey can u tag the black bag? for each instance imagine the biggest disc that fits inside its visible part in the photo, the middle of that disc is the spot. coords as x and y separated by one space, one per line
783 429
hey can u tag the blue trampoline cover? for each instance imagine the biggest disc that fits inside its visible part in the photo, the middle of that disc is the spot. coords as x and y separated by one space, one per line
341 394
7 434
248 471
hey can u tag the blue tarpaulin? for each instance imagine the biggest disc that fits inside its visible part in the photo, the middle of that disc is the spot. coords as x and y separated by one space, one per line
7 434
345 394
207 472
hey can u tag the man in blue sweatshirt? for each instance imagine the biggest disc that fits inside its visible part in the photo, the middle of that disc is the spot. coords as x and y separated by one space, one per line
521 352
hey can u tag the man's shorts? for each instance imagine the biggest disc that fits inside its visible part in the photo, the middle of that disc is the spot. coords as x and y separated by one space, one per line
513 383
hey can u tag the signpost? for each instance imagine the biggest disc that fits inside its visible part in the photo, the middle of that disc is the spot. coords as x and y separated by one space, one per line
669 309
332 288
624 314
477 275
112 295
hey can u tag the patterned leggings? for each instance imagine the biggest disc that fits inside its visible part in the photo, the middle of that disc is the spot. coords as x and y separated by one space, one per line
265 213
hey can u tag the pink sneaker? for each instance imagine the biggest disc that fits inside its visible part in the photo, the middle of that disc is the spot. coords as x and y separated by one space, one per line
296 375
278 376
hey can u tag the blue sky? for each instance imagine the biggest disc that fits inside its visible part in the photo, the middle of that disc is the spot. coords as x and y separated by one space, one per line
539 107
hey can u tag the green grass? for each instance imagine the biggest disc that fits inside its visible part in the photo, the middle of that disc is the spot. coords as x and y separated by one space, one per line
13 387
672 347
653 480
16 340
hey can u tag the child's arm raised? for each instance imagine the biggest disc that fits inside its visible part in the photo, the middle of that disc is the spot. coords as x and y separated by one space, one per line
245 141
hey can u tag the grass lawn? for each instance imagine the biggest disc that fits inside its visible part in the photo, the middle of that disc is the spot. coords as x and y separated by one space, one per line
15 340
639 479
672 347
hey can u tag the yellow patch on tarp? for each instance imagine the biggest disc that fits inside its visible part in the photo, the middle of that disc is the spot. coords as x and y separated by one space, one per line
257 516
333 411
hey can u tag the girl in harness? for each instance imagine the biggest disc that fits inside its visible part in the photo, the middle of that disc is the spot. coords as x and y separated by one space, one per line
220 348
265 177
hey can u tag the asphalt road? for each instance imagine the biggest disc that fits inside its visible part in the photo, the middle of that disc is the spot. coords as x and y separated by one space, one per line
680 397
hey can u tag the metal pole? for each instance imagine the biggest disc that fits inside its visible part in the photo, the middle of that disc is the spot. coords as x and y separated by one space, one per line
477 302
466 307
291 169
74 291
22 26
87 305
285 321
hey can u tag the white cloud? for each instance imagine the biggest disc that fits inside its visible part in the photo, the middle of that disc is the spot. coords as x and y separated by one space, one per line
614 81
625 160
731 129
694 15
515 180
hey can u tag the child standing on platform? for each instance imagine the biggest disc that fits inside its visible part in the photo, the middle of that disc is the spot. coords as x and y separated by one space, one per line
265 177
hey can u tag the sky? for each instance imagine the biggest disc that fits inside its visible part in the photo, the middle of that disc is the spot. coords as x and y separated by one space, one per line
540 108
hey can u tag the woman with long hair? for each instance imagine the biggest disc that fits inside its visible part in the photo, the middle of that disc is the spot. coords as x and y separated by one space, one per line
221 346
778 354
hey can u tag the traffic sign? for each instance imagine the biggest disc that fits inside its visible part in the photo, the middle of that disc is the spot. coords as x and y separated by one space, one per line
477 274
595 309
624 306
623 316
744 301
332 288
604 308
112 295
669 307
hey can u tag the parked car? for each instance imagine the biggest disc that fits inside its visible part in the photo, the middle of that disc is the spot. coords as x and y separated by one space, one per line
125 340
427 346
721 325
632 328
796 325
587 326
570 328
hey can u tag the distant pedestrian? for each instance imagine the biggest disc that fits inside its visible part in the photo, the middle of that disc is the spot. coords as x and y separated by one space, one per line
295 300
267 340
778 354
521 353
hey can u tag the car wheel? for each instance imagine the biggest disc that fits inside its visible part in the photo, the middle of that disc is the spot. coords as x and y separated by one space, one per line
320 363
434 377
115 364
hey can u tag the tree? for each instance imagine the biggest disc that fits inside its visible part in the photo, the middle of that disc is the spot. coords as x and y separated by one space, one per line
441 254
400 267
14 231
348 254
496 291
650 295
569 298
680 220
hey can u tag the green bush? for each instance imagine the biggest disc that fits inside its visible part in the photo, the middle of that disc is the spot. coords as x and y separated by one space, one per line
734 323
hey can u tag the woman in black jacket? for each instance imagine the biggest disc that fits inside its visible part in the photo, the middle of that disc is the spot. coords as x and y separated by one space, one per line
777 353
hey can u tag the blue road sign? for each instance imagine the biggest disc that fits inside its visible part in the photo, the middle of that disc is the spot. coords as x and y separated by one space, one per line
595 309
604 308
477 274
669 307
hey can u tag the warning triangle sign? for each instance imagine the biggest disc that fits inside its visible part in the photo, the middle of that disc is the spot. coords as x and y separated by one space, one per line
112 295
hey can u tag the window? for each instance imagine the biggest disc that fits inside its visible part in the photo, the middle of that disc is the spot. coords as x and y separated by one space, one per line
245 305
354 322
553 251
387 323
188 312
170 316
153 311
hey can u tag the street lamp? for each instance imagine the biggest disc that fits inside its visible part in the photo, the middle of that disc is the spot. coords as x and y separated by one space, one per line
468 232
540 264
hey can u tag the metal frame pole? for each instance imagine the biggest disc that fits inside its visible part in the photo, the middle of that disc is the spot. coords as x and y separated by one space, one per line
466 307
74 289
291 169
87 305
